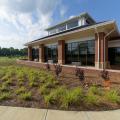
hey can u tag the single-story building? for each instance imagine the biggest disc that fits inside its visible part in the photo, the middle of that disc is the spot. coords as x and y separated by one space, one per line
78 41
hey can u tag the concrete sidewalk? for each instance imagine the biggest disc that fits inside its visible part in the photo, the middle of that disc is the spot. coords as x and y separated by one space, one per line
17 113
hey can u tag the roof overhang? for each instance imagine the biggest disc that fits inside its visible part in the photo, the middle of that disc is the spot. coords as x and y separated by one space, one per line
84 14
79 33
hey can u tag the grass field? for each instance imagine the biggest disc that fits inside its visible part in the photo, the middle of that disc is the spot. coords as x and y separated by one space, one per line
31 87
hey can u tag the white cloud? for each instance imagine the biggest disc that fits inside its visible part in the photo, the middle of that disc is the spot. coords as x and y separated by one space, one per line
24 20
72 16
63 10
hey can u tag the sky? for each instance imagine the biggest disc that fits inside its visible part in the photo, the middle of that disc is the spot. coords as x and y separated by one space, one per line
23 21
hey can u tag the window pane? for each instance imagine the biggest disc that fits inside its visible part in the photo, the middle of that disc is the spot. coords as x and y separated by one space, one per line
82 52
35 53
52 31
51 53
72 24
62 28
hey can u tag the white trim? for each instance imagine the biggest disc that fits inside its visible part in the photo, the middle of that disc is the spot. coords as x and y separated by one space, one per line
81 39
114 43
35 47
50 44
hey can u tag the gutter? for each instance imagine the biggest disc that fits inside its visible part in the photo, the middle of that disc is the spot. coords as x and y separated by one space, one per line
104 66
98 47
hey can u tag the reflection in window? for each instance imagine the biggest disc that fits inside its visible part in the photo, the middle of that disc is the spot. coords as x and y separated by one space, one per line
51 53
83 52
62 28
114 56
72 24
53 31
35 53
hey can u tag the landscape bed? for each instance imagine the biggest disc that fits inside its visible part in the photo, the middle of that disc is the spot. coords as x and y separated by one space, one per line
30 87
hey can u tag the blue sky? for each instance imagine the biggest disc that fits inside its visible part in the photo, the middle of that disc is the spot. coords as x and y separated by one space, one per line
22 21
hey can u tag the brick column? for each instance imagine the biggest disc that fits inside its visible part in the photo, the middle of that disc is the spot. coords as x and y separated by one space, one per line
41 53
29 53
61 52
99 63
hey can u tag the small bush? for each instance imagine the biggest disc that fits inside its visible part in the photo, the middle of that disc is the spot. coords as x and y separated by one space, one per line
55 96
4 96
2 73
105 75
20 82
20 90
91 98
20 74
47 66
44 90
25 96
95 90
4 87
9 81
9 73
33 84
112 96
58 69
72 97
80 73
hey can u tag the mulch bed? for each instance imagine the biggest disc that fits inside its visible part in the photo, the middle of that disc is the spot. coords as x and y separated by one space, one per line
37 100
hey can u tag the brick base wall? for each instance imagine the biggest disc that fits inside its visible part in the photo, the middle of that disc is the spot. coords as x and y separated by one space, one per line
91 74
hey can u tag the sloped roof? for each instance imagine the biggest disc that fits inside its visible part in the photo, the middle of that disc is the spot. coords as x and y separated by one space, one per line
74 29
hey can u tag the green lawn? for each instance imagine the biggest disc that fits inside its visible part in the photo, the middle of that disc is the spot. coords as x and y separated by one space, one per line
30 87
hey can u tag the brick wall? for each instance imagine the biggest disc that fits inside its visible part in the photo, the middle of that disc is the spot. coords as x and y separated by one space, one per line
91 74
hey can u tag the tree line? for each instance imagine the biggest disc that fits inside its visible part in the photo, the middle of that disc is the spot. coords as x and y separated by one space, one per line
13 52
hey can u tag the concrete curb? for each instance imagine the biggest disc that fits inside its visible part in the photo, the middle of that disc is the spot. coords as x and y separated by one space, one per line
19 113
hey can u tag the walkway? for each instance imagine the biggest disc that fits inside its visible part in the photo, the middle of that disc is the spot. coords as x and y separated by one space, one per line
16 113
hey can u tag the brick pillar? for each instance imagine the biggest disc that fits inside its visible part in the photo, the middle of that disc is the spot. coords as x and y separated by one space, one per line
41 53
61 52
99 63
29 53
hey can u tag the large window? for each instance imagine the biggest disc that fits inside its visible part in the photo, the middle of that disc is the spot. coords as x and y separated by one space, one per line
35 53
51 53
114 56
81 52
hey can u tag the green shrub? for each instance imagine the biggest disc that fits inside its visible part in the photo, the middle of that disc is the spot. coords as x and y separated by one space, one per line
91 98
33 83
9 73
44 90
55 96
20 90
72 97
20 82
8 82
112 96
25 96
2 73
95 90
4 96
21 74
4 87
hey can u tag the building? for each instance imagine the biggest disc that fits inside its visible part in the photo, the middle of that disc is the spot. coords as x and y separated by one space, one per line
79 41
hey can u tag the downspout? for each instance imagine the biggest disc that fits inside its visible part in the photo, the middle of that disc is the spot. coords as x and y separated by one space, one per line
98 47
104 66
